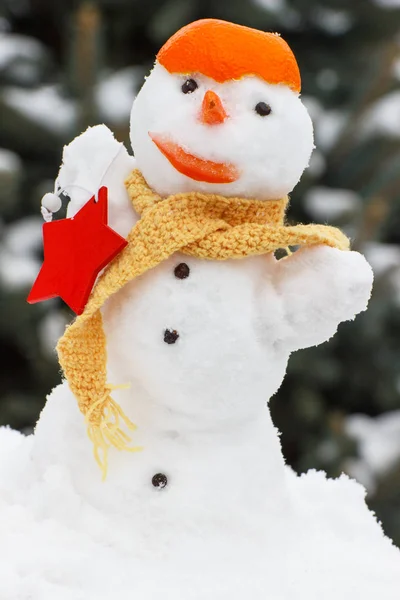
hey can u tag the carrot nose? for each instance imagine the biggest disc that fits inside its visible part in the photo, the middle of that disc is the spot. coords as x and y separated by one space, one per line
212 110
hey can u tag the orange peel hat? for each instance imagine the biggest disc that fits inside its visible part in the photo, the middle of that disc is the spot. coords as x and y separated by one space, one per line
226 51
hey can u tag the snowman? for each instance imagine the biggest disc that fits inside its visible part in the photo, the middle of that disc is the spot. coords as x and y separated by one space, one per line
171 362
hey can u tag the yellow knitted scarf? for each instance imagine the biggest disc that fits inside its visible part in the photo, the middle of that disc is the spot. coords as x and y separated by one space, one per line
203 225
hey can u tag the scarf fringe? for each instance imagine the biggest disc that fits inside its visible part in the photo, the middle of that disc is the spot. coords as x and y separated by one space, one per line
107 432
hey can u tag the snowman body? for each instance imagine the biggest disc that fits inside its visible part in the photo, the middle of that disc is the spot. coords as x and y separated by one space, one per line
207 510
232 519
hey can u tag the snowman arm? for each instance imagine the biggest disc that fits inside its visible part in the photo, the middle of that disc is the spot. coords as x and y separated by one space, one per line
320 287
92 160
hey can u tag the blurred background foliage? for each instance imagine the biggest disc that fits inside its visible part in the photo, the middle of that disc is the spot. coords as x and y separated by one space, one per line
65 65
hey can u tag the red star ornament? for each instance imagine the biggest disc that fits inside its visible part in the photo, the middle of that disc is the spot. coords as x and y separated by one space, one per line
75 251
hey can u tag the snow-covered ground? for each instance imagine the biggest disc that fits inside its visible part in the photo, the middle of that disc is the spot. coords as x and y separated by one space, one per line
66 535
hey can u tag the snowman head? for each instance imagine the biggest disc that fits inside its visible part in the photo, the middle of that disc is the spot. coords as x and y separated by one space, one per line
221 113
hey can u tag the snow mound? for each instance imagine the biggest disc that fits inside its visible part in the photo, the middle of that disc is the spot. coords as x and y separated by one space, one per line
57 540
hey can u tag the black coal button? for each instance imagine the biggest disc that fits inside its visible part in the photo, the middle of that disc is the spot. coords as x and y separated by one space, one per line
182 271
170 336
159 481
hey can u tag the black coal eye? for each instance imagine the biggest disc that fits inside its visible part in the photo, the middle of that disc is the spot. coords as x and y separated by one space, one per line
263 109
189 86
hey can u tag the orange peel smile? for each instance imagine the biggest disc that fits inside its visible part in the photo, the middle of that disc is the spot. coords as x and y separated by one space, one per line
192 166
